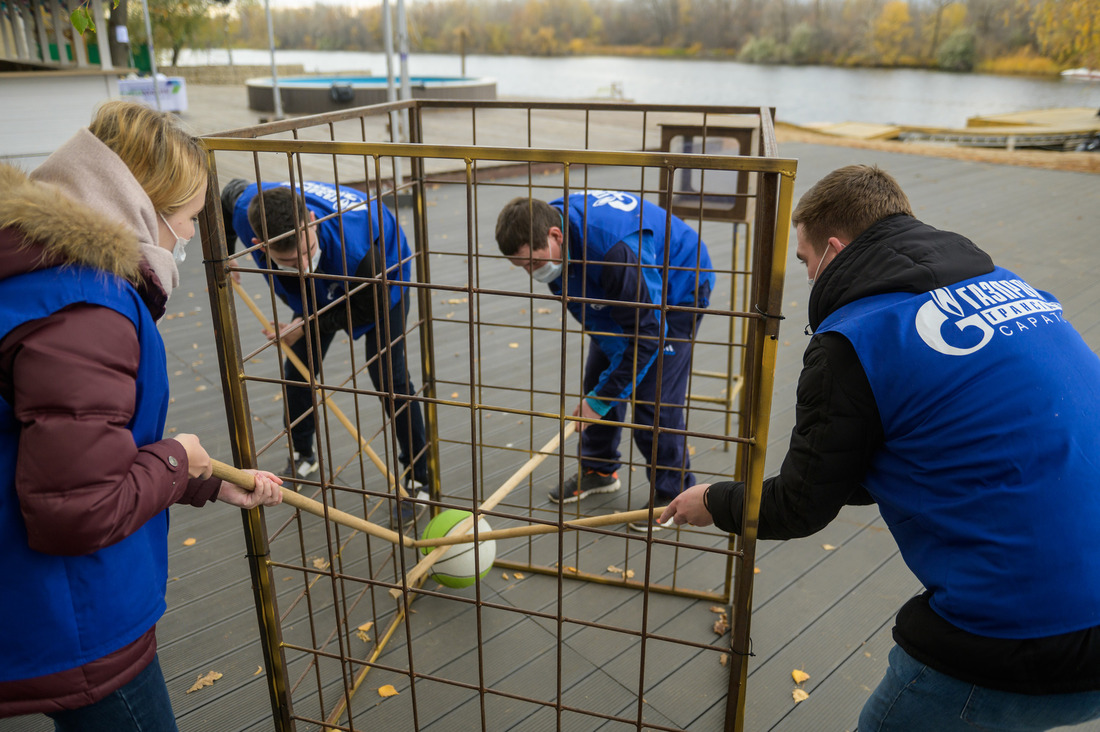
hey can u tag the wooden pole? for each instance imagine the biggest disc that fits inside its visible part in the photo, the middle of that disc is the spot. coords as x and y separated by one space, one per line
248 482
518 531
424 565
293 358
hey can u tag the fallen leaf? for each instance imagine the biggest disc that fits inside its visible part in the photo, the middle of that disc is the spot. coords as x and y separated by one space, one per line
207 679
387 690
721 625
520 575
504 575
200 387
799 695
691 450
799 675
614 570
828 547
718 609
366 626
320 563
189 541
259 670
458 300
449 315
723 659
629 574
513 345
362 635
454 395
573 570
544 311
756 570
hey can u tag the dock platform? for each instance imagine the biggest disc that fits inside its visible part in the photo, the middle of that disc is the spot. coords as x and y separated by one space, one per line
824 604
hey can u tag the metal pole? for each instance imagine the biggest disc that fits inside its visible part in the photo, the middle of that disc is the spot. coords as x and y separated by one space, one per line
397 121
403 49
152 54
274 73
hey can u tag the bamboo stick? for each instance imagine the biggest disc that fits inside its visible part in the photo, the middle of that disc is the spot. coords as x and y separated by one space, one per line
248 482
518 531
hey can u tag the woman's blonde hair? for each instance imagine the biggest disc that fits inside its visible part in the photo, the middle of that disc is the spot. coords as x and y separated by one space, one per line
168 162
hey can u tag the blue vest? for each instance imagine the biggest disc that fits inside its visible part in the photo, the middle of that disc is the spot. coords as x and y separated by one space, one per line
990 474
60 612
597 221
357 229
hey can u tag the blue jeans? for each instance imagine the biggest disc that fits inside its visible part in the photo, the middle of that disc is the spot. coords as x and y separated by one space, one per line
140 706
912 697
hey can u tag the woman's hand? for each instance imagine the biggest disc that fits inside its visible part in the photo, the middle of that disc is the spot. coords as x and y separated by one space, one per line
689 507
266 493
198 461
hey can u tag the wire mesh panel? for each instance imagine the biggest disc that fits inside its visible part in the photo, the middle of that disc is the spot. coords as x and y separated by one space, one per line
567 619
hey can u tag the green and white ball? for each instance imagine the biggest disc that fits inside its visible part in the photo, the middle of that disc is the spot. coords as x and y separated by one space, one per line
456 568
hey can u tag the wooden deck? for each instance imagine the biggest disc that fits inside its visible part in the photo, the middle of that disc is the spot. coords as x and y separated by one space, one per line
827 611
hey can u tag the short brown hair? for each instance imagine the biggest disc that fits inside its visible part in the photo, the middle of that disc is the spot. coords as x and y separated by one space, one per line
168 162
847 202
525 221
279 203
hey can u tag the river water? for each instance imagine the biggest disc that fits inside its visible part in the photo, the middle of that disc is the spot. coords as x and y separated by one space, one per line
800 94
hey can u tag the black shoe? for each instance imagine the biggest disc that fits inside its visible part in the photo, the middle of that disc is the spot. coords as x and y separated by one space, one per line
592 481
300 466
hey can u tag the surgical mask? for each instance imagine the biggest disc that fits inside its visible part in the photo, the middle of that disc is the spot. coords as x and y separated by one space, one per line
547 273
179 251
314 263
810 280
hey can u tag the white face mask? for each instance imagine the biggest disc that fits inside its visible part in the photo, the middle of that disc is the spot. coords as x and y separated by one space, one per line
810 280
547 273
179 251
315 261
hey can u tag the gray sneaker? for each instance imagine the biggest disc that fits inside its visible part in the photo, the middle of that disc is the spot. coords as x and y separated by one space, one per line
591 481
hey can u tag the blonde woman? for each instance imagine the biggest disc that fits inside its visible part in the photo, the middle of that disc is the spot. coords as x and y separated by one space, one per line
88 249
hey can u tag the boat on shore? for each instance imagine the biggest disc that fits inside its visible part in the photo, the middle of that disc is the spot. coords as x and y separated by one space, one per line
1082 74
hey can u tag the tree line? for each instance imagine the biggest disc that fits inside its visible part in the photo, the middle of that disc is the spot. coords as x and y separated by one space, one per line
1022 36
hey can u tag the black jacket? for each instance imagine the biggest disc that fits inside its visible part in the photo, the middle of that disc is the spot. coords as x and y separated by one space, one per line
837 432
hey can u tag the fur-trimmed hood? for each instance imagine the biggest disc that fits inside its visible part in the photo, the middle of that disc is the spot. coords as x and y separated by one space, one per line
58 229
83 206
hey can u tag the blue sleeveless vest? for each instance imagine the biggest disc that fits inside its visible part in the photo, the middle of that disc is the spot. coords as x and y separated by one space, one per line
359 229
597 221
60 612
990 474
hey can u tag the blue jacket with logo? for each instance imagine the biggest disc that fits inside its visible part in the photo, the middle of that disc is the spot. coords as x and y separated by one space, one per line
90 605
616 250
345 241
989 476
956 396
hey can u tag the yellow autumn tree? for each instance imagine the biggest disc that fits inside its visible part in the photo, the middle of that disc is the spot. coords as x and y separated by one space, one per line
892 32
1068 31
945 18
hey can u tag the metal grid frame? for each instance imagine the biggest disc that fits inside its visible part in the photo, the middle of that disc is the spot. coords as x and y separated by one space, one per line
340 574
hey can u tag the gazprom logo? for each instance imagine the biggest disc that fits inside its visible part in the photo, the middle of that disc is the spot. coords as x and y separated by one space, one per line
969 334
614 199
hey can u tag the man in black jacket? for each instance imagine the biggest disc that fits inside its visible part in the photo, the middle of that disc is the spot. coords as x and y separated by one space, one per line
955 396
